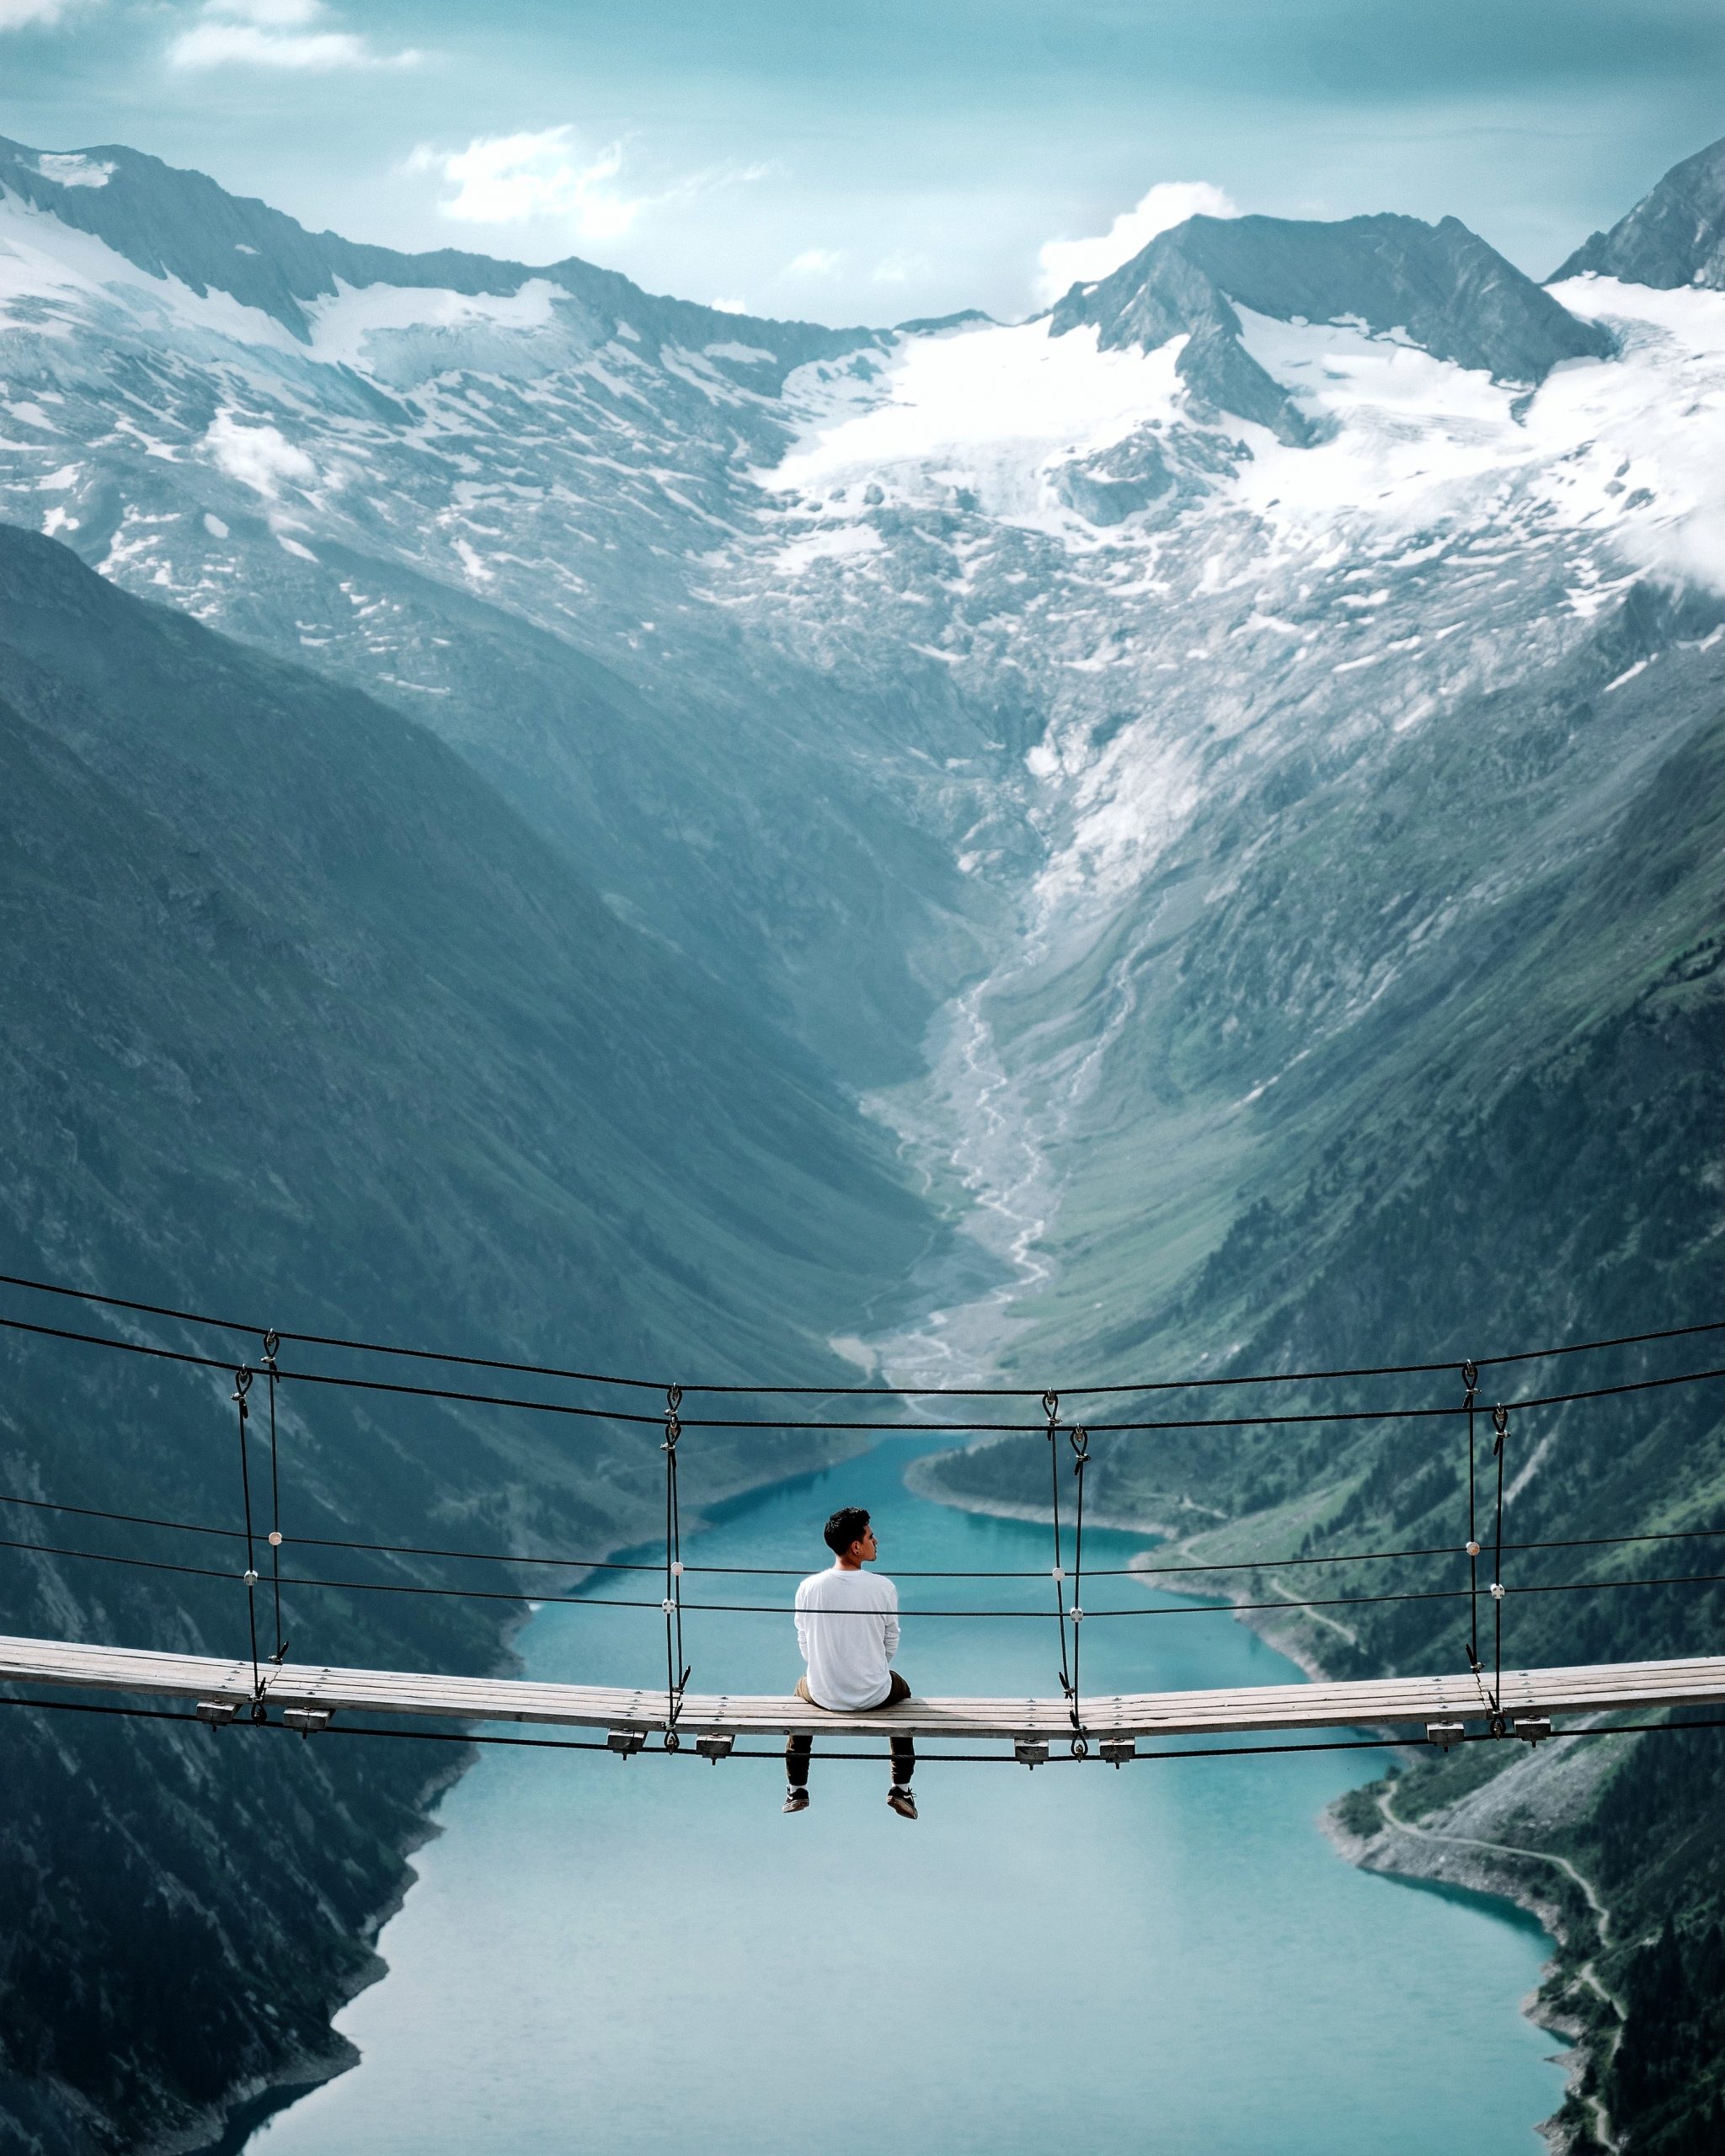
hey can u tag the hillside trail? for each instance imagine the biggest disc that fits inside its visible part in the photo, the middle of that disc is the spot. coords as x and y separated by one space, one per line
1587 1974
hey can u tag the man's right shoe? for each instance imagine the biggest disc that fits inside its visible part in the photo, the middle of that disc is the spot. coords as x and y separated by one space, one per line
796 1800
901 1802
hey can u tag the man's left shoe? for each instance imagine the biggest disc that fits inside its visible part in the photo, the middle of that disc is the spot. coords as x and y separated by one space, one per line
901 1802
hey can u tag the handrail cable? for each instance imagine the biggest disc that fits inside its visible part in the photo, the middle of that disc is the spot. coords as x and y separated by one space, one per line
858 1392
778 1609
279 1654
873 1429
1469 1379
676 1670
242 1386
797 1571
1051 1408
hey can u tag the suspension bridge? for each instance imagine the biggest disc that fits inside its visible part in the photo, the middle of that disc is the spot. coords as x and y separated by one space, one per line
261 1686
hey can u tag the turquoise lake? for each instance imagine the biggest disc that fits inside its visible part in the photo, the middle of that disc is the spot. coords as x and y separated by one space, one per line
643 1955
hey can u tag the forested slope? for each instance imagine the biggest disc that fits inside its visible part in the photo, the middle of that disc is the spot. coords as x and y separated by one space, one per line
1534 1155
299 1019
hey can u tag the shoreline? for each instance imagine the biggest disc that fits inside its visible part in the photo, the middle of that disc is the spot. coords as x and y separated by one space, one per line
1456 1862
230 2121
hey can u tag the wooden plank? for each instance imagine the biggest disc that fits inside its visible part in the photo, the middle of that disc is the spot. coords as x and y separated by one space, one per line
1396 1702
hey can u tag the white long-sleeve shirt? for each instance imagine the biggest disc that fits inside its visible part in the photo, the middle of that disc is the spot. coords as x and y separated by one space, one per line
847 1626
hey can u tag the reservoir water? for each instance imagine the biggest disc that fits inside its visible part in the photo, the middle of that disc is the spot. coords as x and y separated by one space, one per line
634 1956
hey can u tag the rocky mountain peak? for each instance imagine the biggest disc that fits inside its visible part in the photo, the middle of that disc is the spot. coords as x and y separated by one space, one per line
1440 286
1674 236
174 223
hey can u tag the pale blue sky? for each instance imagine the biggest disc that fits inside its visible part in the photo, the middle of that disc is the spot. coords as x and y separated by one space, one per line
875 158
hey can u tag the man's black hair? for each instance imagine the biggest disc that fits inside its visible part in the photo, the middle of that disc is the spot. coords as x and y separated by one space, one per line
848 1525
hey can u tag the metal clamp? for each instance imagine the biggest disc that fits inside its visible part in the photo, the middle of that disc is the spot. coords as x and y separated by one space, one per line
1443 1734
627 1742
715 1744
1116 1750
1533 1729
308 1721
218 1713
1030 1751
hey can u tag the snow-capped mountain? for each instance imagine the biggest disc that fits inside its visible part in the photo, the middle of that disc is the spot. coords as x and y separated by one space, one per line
881 669
1228 768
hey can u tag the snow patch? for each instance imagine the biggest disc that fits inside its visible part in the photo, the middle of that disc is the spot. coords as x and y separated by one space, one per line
983 411
72 168
839 542
260 458
342 327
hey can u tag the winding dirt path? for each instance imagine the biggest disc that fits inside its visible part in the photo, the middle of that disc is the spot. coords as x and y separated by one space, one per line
1587 1974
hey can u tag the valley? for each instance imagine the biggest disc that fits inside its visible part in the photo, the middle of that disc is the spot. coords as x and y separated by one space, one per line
1179 836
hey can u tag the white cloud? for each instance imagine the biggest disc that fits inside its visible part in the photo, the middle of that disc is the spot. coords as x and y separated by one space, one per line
14 14
509 180
1063 262
815 262
283 34
259 457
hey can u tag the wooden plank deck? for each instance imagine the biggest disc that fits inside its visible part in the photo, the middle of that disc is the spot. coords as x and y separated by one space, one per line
1374 1702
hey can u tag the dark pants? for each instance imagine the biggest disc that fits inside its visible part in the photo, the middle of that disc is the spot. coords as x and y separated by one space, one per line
904 1749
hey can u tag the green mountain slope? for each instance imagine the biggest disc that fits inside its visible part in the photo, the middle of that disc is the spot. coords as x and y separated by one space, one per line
298 1017
1519 1142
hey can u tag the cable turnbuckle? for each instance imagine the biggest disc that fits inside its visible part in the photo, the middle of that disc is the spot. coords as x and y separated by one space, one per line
1469 1376
1079 1439
242 1386
272 1341
1500 1424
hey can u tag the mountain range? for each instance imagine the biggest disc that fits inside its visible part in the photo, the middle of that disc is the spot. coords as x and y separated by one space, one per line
1180 834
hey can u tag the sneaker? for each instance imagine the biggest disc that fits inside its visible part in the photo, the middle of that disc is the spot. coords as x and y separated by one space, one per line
901 1802
797 1799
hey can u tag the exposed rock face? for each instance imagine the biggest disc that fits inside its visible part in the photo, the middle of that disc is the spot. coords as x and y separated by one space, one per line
1440 286
1675 235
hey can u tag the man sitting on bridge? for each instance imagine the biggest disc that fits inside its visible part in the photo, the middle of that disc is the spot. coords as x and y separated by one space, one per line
847 1626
